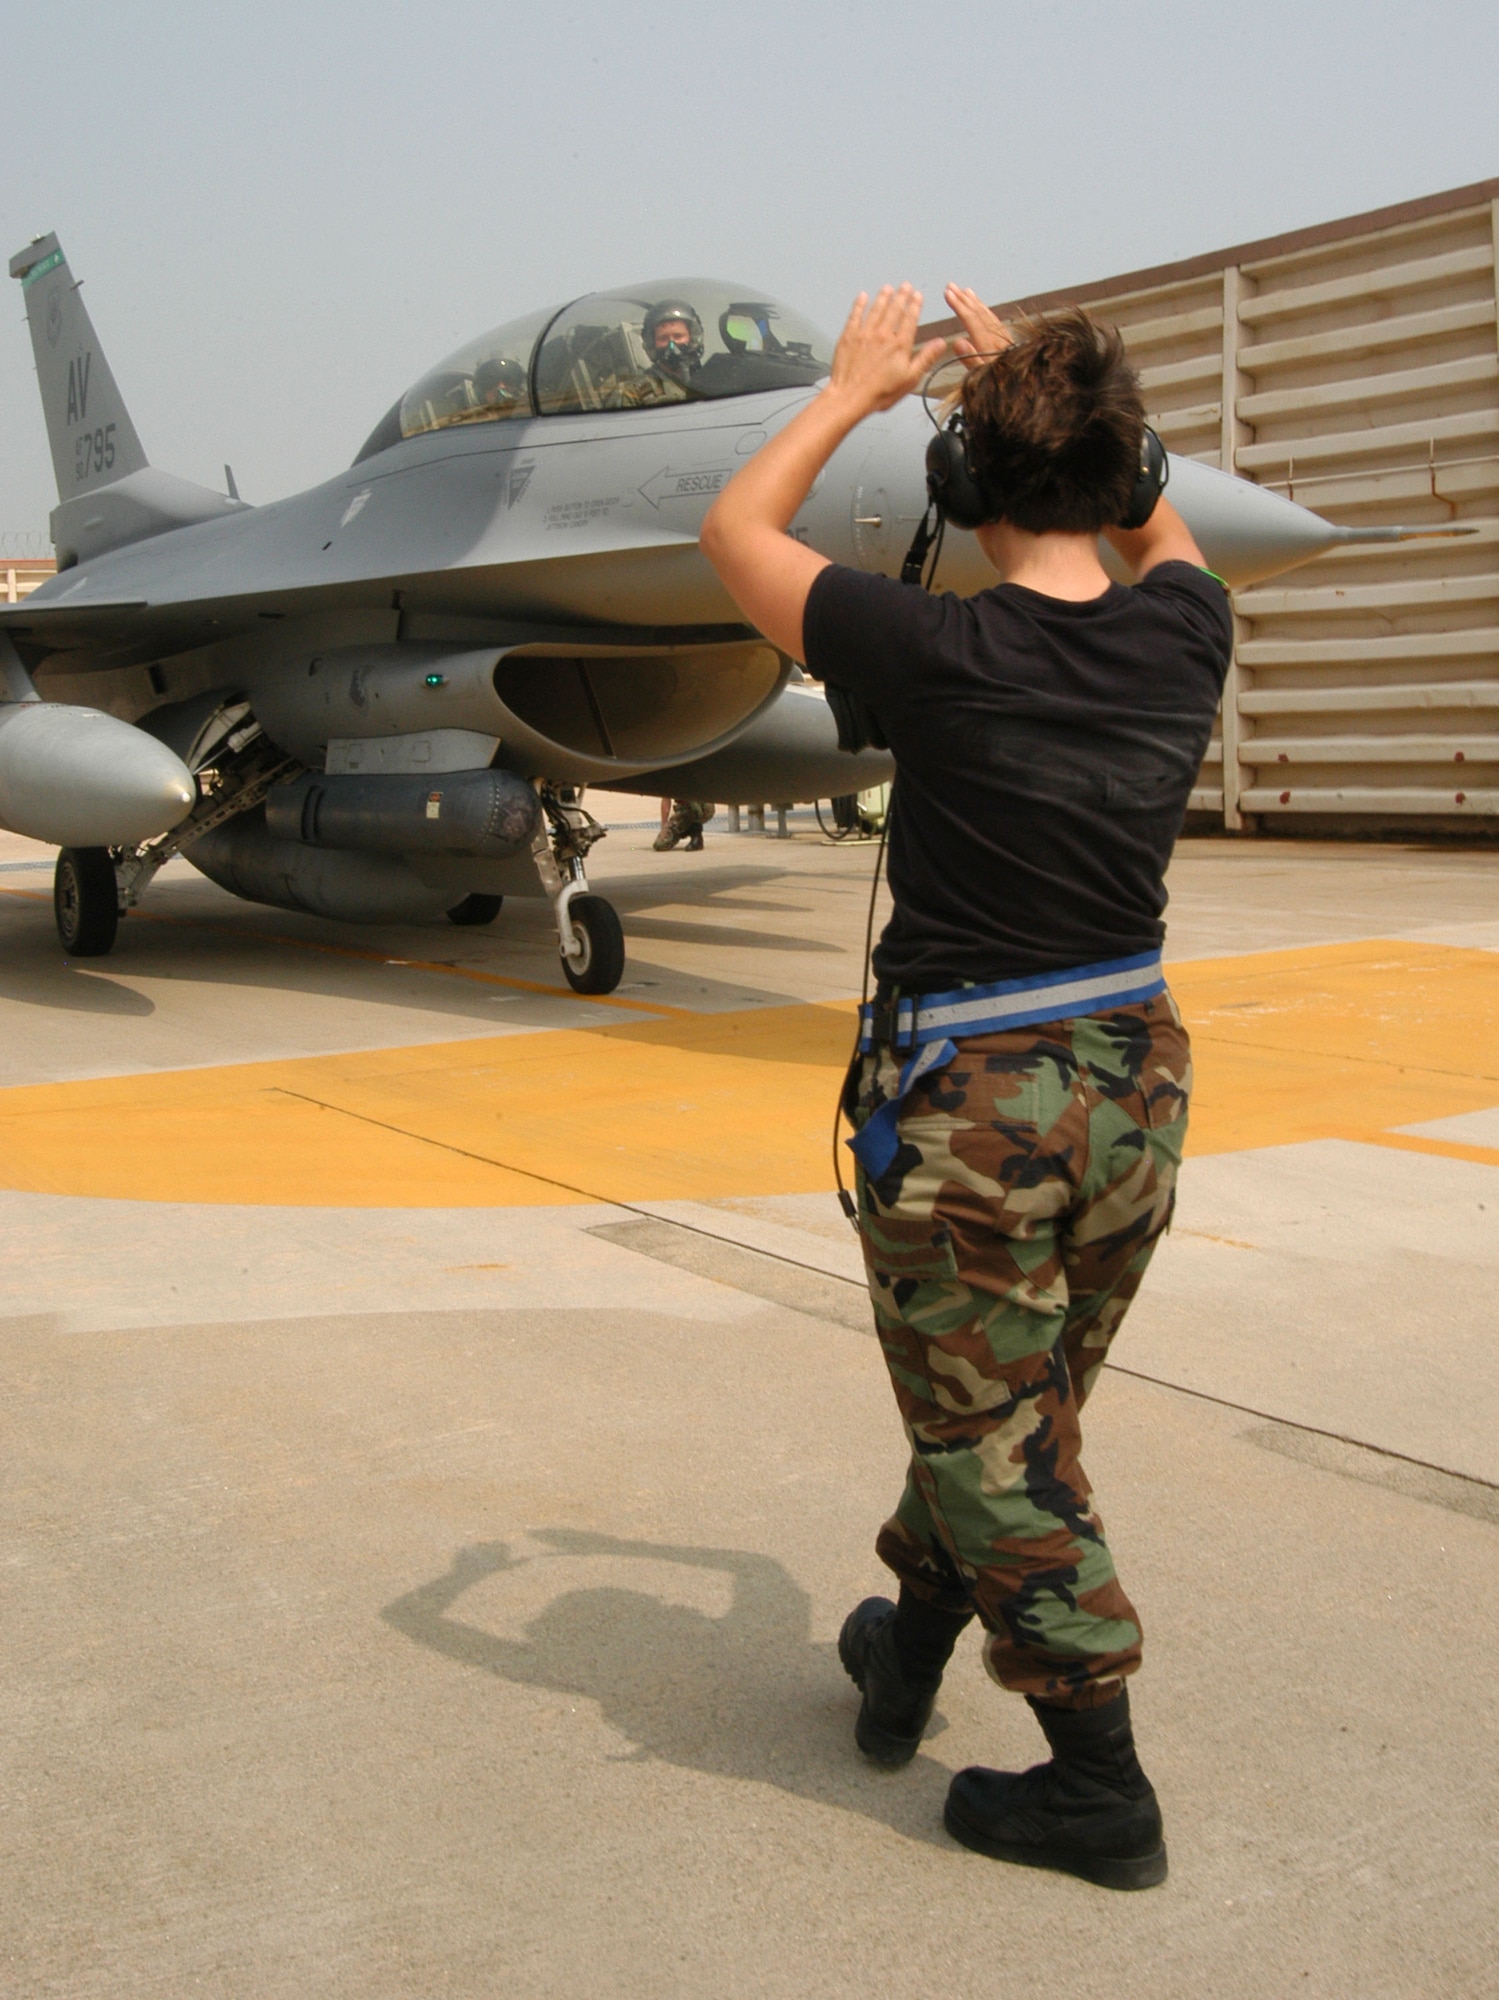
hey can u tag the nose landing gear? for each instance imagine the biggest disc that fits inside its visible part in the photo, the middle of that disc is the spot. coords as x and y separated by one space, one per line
599 940
589 932
86 901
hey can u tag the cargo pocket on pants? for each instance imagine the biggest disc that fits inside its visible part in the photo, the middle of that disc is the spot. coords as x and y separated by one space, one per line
898 1247
914 1287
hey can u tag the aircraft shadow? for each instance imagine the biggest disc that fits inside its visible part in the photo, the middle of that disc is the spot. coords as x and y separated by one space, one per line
191 931
749 1695
671 930
67 990
648 888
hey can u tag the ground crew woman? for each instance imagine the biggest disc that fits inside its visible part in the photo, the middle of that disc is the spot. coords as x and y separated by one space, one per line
1021 1100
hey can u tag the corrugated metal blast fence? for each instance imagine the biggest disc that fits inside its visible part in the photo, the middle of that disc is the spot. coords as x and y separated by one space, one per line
1354 366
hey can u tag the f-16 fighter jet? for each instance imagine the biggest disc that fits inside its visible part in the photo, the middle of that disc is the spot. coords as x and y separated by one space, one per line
380 700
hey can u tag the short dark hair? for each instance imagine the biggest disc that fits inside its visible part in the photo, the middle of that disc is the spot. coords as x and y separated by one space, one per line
1055 425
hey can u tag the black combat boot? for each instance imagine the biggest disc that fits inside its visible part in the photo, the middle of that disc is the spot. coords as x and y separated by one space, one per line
895 1657
1091 1811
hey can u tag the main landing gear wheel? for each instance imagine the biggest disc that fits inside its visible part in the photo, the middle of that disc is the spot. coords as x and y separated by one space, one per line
86 901
476 910
601 964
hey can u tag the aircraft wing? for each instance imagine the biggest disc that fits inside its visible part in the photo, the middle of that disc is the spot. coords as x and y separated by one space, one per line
175 593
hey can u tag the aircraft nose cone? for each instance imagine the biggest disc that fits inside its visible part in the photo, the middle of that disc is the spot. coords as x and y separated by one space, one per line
79 778
151 780
1244 531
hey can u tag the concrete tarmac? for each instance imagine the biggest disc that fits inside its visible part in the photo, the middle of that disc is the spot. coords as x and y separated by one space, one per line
442 1437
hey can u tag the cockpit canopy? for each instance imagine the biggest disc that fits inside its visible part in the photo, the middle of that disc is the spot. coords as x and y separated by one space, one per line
671 340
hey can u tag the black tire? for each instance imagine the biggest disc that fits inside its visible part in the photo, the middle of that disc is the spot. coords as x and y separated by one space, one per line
602 965
476 909
85 901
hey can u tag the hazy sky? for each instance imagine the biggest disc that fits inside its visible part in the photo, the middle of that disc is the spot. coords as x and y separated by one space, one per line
285 213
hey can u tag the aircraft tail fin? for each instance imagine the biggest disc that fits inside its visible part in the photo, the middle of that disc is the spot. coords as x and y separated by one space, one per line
108 492
93 440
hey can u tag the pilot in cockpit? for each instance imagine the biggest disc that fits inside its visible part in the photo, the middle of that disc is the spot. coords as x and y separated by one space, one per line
673 338
499 386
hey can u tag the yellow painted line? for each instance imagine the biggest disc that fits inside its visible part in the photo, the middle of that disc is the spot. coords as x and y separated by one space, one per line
1337 1041
1444 1149
1343 1041
703 1106
566 1189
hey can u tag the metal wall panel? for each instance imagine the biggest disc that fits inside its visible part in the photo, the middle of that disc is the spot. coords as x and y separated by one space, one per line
1355 367
20 575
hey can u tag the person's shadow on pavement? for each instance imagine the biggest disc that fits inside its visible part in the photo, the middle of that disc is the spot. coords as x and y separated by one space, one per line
748 1695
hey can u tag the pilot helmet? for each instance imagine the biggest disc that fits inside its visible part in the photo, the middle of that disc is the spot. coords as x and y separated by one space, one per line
674 359
499 383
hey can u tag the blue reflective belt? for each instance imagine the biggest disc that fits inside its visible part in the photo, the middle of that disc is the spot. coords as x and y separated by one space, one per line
931 1024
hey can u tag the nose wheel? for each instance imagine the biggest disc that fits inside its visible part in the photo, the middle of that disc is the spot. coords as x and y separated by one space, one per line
589 933
86 901
599 963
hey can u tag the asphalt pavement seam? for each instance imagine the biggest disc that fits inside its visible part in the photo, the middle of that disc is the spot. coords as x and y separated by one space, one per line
796 1287
657 1237
1457 1492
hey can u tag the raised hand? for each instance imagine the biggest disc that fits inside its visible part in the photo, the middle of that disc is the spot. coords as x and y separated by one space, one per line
987 334
876 361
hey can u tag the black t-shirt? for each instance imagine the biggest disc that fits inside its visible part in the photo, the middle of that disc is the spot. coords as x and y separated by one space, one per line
1045 753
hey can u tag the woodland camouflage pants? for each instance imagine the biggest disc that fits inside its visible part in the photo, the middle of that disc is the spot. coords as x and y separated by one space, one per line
1035 1175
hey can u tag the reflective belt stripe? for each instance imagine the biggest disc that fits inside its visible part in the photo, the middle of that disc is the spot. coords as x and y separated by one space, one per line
927 1024
1016 1003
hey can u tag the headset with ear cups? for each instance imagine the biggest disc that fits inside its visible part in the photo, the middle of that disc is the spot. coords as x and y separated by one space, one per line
968 502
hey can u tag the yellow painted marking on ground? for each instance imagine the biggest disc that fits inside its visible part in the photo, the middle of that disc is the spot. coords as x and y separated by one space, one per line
1445 1149
1338 1041
1341 1041
697 1107
1207 1236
